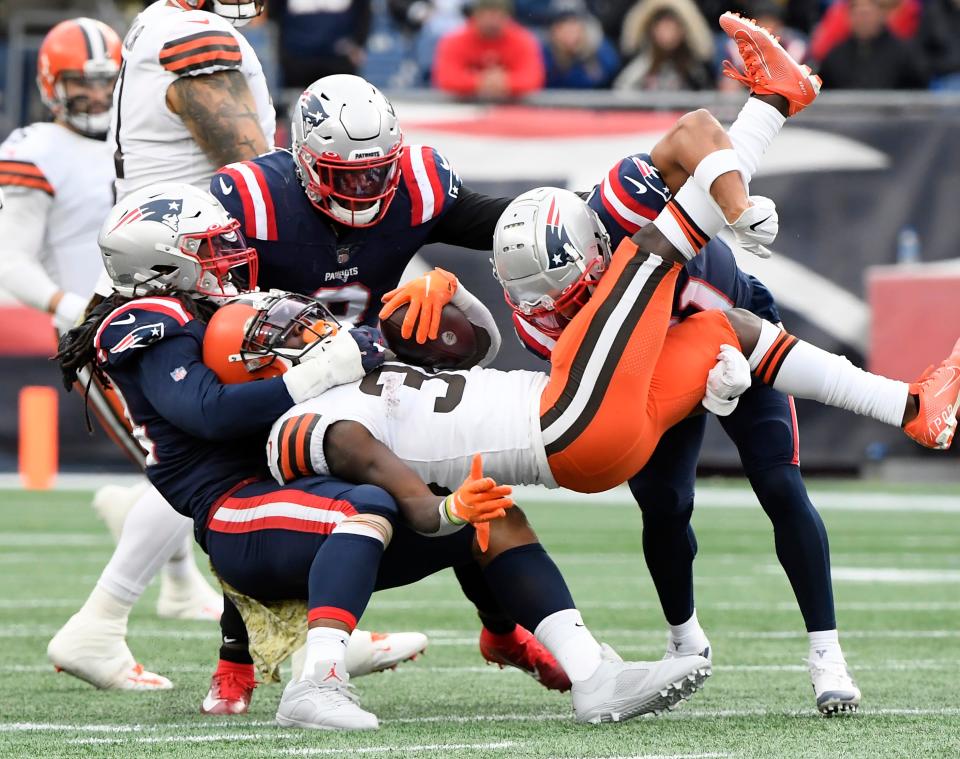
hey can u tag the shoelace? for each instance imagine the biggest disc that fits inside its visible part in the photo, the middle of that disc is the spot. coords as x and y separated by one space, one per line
342 692
834 668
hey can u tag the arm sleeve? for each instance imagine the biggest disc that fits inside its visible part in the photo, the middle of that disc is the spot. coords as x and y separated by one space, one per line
22 223
470 221
479 316
199 403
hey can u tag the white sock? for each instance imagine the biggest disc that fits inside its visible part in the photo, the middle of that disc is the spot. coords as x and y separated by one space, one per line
688 637
181 567
152 532
565 636
107 607
797 368
326 644
751 134
825 646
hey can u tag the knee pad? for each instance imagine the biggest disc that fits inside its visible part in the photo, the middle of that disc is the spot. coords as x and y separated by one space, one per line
368 525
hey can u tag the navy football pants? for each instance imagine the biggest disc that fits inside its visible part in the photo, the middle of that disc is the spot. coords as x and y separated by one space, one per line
763 428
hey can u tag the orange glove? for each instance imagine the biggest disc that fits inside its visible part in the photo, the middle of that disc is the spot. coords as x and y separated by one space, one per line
427 295
479 500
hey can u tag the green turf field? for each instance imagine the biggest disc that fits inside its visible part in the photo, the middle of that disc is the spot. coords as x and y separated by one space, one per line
901 636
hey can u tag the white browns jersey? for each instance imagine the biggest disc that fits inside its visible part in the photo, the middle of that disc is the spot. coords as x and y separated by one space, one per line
166 43
71 176
433 422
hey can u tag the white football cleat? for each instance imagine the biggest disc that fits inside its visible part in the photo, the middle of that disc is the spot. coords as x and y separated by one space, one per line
621 690
112 503
757 227
95 651
674 651
193 598
324 701
833 687
369 652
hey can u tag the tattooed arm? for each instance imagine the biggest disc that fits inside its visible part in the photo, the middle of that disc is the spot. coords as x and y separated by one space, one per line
219 111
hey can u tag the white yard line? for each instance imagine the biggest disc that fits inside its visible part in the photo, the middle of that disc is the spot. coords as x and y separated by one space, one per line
499 746
708 495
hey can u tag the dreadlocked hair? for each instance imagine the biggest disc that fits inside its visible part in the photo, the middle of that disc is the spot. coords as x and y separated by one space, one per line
76 349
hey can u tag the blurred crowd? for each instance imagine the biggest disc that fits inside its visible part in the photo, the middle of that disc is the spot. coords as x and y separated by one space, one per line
499 49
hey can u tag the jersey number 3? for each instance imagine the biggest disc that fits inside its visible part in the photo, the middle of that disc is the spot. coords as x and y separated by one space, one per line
414 379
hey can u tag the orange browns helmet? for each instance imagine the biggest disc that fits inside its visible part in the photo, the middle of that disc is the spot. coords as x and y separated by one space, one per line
88 51
261 335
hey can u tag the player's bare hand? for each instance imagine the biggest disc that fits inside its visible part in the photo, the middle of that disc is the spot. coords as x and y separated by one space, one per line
479 500
427 295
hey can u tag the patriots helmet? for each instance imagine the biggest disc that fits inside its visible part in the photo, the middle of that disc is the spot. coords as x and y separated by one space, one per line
549 250
347 144
174 235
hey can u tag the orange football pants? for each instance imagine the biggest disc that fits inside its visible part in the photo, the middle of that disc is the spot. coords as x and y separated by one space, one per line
622 376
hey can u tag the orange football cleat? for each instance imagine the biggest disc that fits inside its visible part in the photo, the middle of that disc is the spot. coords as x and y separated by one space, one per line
938 394
769 68
231 689
522 650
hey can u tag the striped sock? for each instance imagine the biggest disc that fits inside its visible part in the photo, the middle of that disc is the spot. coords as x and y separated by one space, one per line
690 219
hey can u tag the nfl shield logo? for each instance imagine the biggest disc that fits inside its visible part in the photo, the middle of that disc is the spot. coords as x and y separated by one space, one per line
178 374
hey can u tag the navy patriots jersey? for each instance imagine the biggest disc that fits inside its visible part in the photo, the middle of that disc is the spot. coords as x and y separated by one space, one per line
302 250
201 437
629 197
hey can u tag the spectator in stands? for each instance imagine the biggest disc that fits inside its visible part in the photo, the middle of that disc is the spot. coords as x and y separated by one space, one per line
575 52
671 47
939 38
872 58
491 56
769 14
902 18
320 37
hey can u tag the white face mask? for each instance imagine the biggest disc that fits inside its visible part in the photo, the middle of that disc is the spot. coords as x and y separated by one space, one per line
238 15
354 217
93 125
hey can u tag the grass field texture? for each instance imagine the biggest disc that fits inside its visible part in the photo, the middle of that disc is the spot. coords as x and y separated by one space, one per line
896 560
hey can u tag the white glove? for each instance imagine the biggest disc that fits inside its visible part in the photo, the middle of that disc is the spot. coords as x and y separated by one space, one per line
68 312
727 381
336 361
757 226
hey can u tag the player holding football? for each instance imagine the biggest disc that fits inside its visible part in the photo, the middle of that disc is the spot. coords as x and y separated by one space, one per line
317 537
191 96
764 424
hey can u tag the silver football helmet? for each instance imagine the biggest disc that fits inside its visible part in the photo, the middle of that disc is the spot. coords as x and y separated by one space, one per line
549 250
347 145
173 235
239 14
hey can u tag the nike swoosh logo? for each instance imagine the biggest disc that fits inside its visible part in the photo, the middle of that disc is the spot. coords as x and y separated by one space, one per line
229 640
198 21
953 381
224 187
754 226
128 319
641 187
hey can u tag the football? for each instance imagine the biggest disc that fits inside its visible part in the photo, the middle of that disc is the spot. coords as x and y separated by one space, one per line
459 345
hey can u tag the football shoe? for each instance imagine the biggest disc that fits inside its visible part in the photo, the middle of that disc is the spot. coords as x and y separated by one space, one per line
231 689
769 69
621 690
94 650
522 650
833 686
369 652
938 396
324 701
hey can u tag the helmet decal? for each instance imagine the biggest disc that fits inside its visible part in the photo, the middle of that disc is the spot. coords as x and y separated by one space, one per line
165 211
557 239
312 110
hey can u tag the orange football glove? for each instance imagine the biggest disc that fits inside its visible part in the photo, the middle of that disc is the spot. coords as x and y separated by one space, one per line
427 295
479 500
